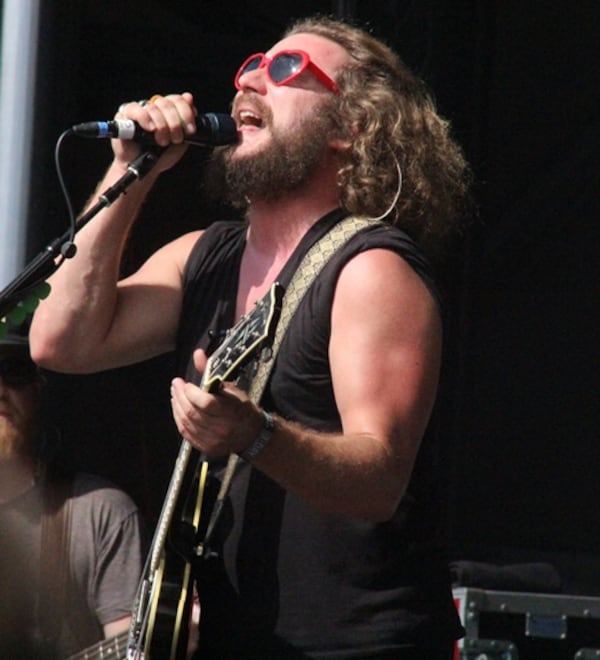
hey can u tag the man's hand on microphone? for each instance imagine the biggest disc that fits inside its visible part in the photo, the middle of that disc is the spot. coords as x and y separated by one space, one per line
171 118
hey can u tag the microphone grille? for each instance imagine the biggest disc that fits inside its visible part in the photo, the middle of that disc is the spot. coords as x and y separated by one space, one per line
222 128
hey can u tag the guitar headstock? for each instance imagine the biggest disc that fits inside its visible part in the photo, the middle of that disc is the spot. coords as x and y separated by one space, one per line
251 334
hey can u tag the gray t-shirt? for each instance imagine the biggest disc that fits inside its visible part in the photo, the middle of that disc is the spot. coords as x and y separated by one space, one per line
105 563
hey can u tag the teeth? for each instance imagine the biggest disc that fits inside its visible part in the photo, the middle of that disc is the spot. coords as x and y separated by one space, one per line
248 117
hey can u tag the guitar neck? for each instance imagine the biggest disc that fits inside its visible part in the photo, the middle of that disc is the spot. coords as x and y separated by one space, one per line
169 505
114 648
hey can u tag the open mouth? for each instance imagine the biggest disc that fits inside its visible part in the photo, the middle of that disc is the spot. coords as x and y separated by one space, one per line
249 118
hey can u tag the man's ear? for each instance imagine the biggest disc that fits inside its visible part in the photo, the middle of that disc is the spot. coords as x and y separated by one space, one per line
339 144
343 140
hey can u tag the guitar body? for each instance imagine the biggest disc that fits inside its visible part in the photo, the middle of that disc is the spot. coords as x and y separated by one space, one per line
172 593
161 615
168 632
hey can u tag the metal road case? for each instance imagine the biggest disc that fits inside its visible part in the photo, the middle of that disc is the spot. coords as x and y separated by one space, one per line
506 625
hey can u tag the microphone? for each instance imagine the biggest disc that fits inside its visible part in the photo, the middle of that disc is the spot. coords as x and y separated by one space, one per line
212 129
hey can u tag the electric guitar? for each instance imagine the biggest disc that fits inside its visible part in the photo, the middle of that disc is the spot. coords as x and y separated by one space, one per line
159 629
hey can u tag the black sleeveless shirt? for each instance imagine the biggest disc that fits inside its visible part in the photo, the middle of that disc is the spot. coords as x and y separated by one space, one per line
290 581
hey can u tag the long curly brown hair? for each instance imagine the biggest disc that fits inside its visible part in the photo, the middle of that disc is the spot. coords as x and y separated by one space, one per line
390 122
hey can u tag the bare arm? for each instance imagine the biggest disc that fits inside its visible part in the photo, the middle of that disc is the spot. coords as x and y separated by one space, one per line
385 356
91 320
113 628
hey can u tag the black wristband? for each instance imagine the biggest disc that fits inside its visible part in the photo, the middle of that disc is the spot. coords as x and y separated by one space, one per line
263 439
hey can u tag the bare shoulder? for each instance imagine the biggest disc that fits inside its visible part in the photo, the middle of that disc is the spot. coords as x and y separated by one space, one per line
383 278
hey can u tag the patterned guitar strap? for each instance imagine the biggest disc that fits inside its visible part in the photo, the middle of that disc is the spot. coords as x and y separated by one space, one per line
311 265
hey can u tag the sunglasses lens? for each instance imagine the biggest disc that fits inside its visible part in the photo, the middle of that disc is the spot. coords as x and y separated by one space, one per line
18 373
285 66
250 65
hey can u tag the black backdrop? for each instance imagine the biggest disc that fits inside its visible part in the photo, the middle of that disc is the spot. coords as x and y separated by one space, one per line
520 402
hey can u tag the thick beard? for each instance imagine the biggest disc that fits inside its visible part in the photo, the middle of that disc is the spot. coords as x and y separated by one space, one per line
13 441
287 162
18 432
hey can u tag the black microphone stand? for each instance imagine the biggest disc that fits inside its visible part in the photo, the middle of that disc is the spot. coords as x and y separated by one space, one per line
32 278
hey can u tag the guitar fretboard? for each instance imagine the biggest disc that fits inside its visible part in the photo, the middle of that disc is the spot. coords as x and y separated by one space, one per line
114 648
